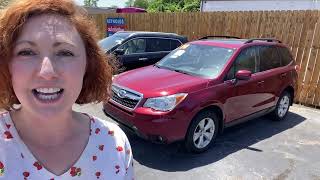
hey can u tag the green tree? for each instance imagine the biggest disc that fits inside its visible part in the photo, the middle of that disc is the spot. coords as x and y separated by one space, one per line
90 3
4 3
192 6
141 4
174 6
129 3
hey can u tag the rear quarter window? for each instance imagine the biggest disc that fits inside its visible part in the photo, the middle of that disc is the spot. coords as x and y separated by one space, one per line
174 44
286 56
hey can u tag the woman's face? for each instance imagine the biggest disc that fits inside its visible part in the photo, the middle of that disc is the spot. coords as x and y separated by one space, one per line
48 65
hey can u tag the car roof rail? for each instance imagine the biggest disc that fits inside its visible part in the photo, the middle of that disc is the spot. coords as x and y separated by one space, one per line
227 37
262 39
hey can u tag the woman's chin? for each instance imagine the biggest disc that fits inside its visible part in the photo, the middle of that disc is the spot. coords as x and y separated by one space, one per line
46 111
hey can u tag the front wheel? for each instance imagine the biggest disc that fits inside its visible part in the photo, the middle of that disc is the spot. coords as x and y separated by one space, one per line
282 107
202 132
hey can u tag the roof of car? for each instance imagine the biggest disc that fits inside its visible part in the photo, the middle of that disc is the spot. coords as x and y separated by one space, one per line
147 33
233 43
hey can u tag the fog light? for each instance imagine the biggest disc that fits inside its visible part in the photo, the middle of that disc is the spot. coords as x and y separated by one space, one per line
160 138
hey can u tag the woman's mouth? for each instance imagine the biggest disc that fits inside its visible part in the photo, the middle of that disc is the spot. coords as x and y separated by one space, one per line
47 95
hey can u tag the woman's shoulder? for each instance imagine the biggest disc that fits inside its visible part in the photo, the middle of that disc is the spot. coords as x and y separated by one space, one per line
109 138
103 126
3 114
4 118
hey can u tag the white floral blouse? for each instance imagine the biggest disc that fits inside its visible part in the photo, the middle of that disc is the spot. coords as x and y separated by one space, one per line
107 155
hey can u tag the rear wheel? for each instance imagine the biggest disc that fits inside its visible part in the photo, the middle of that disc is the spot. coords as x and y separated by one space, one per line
282 107
202 132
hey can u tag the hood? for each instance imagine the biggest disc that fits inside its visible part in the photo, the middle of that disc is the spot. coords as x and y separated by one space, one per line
152 81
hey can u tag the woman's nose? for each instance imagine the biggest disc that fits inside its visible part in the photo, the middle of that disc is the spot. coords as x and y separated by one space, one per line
47 70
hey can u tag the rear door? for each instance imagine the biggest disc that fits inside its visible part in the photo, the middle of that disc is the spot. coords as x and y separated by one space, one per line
157 48
288 73
270 72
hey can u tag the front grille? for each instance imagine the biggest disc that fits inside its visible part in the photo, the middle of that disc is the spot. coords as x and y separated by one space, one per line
124 101
125 97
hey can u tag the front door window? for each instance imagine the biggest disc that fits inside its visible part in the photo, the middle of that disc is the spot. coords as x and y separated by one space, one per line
134 46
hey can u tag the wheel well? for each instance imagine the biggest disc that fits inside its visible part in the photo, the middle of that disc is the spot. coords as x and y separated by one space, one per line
218 112
290 90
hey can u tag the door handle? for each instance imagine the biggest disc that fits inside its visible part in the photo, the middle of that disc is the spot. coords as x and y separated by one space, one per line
283 75
260 83
143 59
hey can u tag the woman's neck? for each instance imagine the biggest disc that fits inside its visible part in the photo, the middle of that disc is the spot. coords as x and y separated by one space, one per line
57 130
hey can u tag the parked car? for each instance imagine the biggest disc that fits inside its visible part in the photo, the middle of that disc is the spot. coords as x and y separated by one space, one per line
130 10
138 49
202 87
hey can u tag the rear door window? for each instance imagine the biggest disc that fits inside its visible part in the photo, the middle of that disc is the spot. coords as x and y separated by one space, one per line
269 58
158 44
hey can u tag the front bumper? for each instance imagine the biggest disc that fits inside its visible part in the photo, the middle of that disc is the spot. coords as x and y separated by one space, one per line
153 126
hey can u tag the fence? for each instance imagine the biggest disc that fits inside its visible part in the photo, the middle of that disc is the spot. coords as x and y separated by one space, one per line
299 29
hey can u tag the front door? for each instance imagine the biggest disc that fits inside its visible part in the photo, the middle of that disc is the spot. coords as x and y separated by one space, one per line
242 96
135 54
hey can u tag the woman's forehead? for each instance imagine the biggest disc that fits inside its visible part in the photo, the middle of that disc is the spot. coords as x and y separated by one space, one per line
50 22
49 26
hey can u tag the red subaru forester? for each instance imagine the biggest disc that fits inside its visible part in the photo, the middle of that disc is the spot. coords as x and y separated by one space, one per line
202 87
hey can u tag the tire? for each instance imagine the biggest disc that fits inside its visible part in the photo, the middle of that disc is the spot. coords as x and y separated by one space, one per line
205 119
282 107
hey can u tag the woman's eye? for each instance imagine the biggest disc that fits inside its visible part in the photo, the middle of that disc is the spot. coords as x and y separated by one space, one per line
65 53
26 53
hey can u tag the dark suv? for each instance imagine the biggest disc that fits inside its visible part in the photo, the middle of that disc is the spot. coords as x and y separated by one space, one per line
138 49
203 87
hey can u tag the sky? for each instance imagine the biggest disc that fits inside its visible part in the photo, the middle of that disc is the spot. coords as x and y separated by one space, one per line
107 3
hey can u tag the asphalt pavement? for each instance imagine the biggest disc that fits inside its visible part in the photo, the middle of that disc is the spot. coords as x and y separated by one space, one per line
257 149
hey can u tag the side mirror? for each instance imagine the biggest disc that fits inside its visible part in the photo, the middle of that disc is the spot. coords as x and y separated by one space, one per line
243 75
119 52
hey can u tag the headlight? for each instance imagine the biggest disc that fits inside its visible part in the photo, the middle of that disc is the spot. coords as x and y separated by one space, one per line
165 103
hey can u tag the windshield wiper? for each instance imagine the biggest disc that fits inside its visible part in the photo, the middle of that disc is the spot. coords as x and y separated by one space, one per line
181 71
162 67
172 69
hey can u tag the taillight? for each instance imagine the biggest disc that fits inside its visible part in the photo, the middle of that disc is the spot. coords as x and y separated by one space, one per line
297 68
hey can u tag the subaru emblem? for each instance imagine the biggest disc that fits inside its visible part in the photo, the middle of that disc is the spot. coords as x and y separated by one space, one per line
122 93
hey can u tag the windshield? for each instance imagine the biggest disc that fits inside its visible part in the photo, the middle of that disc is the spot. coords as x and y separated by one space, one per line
195 59
112 41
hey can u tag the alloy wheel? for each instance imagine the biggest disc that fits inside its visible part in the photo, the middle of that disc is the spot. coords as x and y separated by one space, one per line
283 106
203 133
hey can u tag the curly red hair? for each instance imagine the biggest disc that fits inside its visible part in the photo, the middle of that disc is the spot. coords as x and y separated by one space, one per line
98 77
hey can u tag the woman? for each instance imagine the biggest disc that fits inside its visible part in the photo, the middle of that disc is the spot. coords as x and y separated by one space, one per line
49 60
